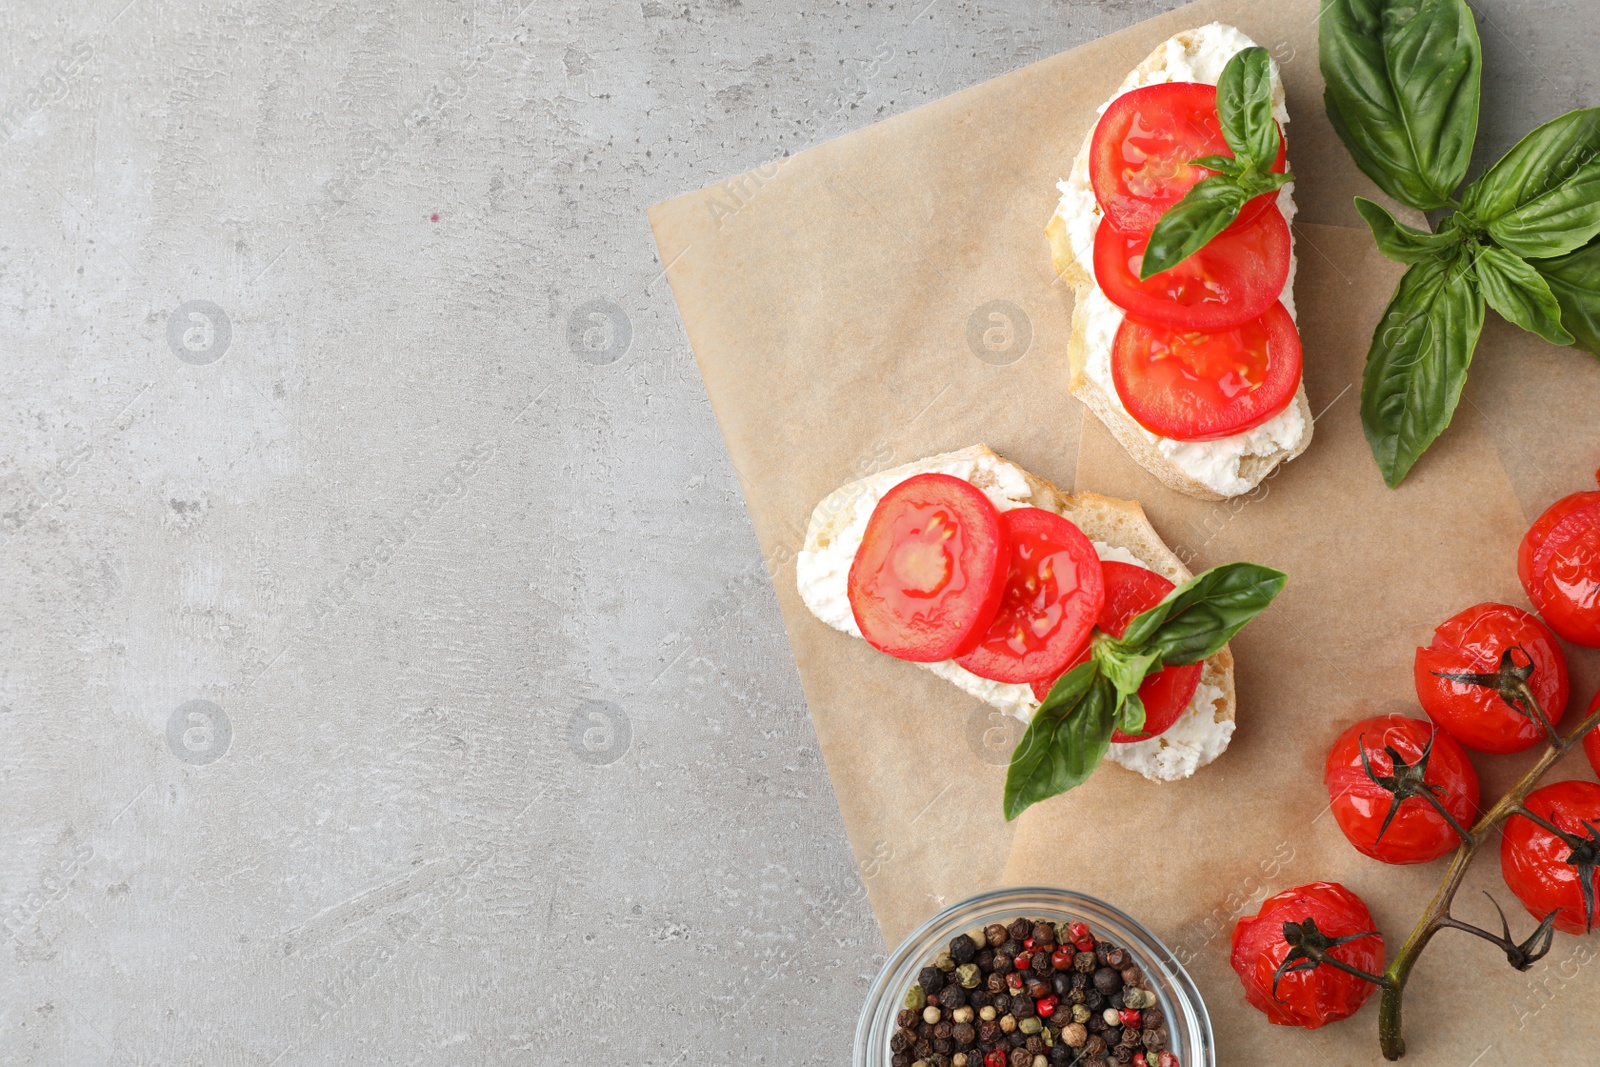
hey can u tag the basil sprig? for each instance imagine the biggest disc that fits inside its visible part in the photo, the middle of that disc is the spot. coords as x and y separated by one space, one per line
1244 108
1403 80
1072 729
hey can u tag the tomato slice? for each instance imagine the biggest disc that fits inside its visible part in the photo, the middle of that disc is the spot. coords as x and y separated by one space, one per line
1233 280
1130 590
1198 385
930 572
1139 155
1053 593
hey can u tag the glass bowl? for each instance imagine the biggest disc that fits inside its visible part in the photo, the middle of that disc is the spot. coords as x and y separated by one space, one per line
1187 1020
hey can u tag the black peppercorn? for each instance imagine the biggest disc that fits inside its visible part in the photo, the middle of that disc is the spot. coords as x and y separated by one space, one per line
1002 1003
1096 1023
900 1042
941 1029
900 1059
1156 1040
995 984
1041 963
1009 948
1094 1001
908 1019
1095 1046
979 998
944 1045
1059 1056
1115 1000
995 934
1153 1018
1034 1044
962 949
962 1034
1061 984
1077 996
1130 1036
1103 950
984 959
1036 988
989 1032
1107 981
931 979
1022 1007
923 1049
1080 980
1117 958
941 1060
1113 1036
952 997
1124 1054
1017 1039
1131 975
1044 934
1020 930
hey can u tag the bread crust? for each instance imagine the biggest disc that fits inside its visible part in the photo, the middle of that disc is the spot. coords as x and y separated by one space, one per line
1119 523
1129 434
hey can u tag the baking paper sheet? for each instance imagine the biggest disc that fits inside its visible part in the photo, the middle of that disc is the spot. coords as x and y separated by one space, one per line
888 295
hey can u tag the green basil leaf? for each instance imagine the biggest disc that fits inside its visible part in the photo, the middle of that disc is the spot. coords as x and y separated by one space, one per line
1402 91
1126 669
1130 715
1244 107
1208 209
1519 294
1065 742
1418 362
1200 616
1402 243
1221 164
1574 279
1543 198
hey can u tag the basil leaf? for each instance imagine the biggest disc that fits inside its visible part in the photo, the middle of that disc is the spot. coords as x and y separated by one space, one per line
1221 164
1402 243
1209 208
1519 294
1200 616
1418 362
1574 279
1543 198
1125 669
1065 742
1130 715
1402 91
1244 106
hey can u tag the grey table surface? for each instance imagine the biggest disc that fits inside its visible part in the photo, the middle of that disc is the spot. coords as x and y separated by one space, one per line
389 673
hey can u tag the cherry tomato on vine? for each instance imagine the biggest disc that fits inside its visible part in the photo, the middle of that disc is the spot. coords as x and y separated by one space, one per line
930 572
1475 656
1559 564
1326 920
1546 870
1053 592
1591 740
1166 694
1379 803
1140 152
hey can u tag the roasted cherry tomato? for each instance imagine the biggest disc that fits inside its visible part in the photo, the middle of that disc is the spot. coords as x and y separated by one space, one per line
1547 871
1198 385
930 572
1321 913
1379 803
1476 643
1129 591
1233 280
1559 564
1139 155
1053 592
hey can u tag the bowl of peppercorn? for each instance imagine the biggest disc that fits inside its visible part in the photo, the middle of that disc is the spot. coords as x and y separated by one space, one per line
1033 977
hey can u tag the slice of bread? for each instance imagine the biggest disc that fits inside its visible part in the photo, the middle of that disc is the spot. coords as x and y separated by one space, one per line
835 532
1252 467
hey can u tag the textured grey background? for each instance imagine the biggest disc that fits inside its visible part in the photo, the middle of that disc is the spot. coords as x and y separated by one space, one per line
389 672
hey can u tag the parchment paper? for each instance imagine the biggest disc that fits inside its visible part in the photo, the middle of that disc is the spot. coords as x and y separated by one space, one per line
889 295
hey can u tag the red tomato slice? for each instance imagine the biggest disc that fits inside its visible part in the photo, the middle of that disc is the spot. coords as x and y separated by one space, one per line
1053 592
1139 156
1130 590
1193 385
1231 281
931 569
